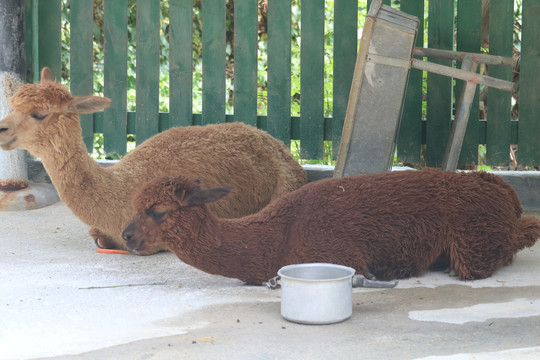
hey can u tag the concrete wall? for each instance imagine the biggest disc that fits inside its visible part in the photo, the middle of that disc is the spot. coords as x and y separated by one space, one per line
526 183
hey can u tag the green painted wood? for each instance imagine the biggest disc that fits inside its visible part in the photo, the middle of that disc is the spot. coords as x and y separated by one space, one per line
81 60
245 61
529 94
213 61
345 50
50 49
439 88
279 70
295 125
312 80
29 13
33 76
180 62
147 107
283 127
499 102
115 75
35 42
410 134
468 39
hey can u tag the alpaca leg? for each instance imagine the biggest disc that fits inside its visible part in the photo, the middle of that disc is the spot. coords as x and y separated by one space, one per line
451 272
442 263
478 256
370 276
102 240
105 241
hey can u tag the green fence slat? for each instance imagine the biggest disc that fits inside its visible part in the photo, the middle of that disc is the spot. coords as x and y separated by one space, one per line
468 39
499 101
529 95
115 75
410 134
245 61
213 61
312 80
279 70
180 62
345 49
439 88
148 27
29 13
81 60
50 49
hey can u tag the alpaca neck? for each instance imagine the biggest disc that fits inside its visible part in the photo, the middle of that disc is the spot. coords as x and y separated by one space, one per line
79 180
239 248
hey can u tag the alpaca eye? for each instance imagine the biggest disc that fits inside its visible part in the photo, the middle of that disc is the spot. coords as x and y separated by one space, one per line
156 216
38 116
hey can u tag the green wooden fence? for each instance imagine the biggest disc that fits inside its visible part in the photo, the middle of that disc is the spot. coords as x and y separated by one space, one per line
428 108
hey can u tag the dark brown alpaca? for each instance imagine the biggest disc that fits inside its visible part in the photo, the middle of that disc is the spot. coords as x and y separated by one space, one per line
393 225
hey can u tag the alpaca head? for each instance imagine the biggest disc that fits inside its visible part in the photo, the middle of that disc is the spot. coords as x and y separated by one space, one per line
168 210
44 115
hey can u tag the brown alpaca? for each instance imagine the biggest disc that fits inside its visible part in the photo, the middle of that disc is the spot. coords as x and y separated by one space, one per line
45 121
393 225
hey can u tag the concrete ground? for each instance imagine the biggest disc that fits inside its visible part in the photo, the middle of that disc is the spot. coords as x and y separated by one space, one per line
61 299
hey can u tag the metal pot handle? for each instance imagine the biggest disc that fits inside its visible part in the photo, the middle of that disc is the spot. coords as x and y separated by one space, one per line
273 283
357 281
361 281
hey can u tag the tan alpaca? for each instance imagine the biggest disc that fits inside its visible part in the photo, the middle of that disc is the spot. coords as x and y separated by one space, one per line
45 121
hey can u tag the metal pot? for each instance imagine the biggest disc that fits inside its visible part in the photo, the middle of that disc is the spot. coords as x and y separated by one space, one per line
319 293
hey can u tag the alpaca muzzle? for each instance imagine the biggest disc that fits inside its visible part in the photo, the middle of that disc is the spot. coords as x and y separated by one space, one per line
5 139
133 242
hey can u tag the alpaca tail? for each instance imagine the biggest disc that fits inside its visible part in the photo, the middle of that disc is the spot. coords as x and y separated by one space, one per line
528 231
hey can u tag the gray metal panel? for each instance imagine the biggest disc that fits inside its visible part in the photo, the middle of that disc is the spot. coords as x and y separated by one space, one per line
376 120
382 71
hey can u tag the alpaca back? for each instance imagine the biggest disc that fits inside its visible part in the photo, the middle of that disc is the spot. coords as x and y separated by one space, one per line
482 201
388 224
396 225
235 154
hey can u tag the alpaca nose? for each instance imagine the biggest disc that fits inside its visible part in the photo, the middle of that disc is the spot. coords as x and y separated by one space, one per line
128 232
127 235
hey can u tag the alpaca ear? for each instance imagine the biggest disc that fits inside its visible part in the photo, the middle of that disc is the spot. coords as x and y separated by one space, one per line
199 197
46 75
87 104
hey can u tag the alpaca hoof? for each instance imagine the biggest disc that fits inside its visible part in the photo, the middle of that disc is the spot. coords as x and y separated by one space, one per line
104 241
370 276
101 243
451 272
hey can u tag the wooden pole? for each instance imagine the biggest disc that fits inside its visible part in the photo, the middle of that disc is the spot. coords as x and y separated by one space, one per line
459 56
459 126
462 75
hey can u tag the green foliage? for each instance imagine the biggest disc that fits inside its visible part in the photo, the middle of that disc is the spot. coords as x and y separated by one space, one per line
327 159
482 158
517 24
